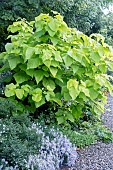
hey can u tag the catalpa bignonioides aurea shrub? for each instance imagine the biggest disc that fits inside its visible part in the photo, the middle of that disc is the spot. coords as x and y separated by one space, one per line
51 62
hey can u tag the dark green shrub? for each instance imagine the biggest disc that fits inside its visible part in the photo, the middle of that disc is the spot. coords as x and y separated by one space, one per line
9 107
16 138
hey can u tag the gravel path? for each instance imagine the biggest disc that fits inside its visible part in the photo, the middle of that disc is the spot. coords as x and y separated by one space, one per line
100 155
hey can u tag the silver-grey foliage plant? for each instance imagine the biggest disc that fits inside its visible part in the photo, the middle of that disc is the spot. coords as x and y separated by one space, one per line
55 151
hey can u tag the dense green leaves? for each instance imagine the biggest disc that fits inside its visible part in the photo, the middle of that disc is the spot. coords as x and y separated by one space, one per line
60 65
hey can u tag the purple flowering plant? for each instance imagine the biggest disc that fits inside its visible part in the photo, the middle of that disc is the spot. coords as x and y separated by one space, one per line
56 150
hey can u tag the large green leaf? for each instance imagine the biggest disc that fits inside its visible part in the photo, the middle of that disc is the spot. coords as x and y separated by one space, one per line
38 75
30 72
73 92
53 25
77 112
51 32
47 63
55 63
53 71
29 53
100 50
39 25
72 83
72 86
95 57
100 79
37 95
4 68
59 76
75 68
46 74
84 90
89 83
49 84
44 68
3 56
103 68
11 86
83 96
58 56
54 40
26 87
109 86
9 47
21 77
93 93
47 54
65 93
19 93
34 63
38 49
14 61
67 60
14 28
10 90
23 67
75 54
81 71
57 99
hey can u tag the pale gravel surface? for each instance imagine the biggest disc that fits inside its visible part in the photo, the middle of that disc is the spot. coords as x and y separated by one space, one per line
100 155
